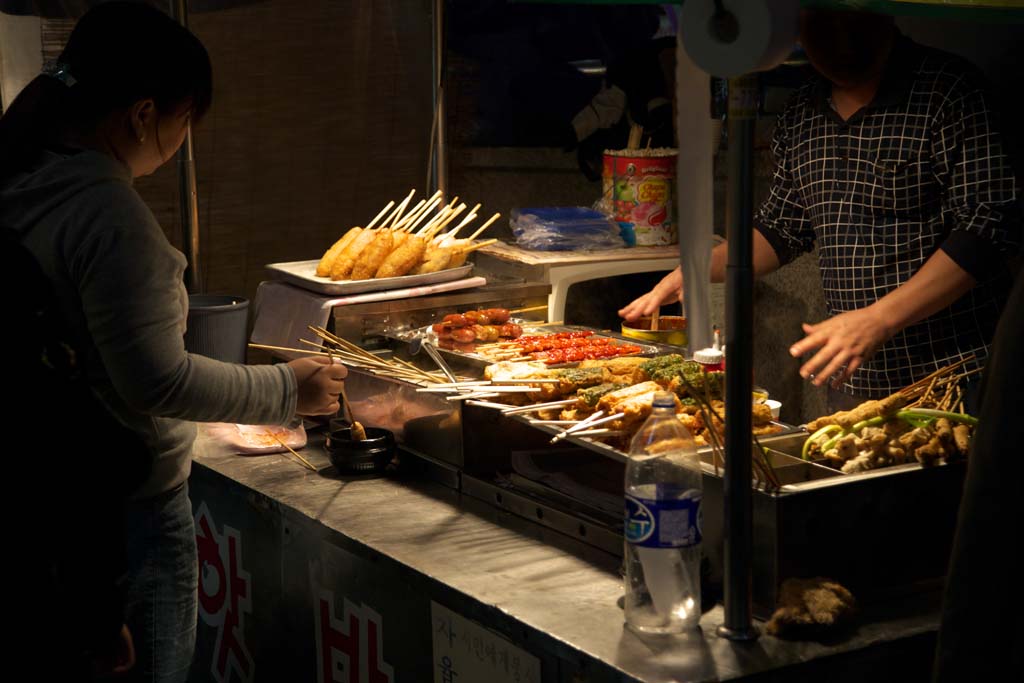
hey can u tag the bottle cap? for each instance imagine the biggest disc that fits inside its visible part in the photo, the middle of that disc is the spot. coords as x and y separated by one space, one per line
708 356
664 399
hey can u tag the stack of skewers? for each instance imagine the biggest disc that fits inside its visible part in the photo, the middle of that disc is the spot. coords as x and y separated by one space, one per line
405 243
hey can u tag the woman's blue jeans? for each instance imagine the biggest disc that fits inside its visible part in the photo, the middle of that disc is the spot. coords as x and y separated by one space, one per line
160 596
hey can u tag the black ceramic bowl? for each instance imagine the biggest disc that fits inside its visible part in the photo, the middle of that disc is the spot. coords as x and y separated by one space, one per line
372 454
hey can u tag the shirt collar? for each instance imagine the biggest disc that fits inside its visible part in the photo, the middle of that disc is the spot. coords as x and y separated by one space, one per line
897 79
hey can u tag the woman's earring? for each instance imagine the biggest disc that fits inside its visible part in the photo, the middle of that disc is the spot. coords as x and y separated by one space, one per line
142 138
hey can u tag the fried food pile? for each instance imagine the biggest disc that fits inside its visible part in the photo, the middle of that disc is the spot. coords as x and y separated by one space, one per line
889 432
628 385
809 607
400 247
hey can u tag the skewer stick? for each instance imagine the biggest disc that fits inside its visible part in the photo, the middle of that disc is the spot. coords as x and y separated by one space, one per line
463 397
528 309
414 211
582 424
488 404
485 226
452 216
598 432
437 218
305 462
528 381
540 406
465 221
268 347
421 210
478 245
413 221
401 207
377 217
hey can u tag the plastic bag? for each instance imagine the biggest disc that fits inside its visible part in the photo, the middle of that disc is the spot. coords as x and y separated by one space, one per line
561 228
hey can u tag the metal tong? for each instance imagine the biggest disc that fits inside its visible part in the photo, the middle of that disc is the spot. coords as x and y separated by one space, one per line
422 343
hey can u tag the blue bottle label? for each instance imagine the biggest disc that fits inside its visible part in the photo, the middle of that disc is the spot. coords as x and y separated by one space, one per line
667 523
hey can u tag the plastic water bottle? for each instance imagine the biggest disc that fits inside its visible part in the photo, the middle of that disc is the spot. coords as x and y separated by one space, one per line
663 524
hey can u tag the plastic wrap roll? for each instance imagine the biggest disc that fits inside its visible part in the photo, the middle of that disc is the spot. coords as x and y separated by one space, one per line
758 36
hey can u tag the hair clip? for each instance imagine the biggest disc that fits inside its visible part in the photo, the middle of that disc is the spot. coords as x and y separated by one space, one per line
60 71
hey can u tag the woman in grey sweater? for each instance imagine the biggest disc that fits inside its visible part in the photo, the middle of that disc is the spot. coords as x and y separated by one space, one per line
114 107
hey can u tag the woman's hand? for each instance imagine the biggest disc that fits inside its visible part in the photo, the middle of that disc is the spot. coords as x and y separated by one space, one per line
665 292
844 342
320 381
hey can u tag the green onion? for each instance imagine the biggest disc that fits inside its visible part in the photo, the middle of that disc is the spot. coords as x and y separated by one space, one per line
827 429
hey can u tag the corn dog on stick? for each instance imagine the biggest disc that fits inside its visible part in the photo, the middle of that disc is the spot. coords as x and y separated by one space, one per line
346 261
402 260
371 258
323 269
434 260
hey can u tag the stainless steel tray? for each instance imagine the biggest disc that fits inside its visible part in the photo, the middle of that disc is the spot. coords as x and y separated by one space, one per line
303 274
604 449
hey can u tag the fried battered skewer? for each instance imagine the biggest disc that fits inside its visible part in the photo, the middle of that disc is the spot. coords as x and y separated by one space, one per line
373 256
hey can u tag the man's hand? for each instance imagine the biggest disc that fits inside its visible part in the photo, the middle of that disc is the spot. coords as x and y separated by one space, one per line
844 343
670 289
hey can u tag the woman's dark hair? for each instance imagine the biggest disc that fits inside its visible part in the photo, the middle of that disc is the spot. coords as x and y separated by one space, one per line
118 53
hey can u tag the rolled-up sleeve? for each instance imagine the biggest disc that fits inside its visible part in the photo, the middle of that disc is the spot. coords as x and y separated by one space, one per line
781 218
982 193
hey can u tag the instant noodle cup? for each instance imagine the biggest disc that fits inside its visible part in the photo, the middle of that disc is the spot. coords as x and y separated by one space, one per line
641 184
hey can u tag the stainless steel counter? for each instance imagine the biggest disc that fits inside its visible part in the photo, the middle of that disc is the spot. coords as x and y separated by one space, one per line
544 591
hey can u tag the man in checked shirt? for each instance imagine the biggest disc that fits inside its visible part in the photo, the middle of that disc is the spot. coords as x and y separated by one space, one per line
891 162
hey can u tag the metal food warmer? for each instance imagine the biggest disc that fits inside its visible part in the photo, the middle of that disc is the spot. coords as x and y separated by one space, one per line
880 533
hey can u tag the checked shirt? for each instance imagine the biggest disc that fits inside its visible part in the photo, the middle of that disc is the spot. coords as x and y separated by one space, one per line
921 168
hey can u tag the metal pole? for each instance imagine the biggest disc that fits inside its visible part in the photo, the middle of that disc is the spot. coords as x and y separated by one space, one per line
188 197
739 331
440 151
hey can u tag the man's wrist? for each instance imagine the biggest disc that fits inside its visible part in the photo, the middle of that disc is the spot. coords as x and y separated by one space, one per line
885 313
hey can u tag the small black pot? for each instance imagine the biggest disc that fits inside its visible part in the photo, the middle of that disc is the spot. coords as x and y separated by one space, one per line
372 454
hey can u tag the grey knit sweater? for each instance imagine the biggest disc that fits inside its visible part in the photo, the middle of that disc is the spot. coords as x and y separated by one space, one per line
120 285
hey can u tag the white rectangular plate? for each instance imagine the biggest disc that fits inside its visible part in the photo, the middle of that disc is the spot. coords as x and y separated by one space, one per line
303 274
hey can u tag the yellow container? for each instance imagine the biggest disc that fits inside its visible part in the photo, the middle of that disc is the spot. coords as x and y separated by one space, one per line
671 330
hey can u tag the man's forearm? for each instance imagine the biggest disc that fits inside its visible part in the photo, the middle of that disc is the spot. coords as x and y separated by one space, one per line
765 259
938 283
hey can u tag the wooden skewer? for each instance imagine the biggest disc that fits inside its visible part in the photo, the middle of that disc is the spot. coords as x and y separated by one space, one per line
488 404
414 220
540 406
305 462
413 212
428 229
452 216
484 226
467 220
543 307
463 397
654 319
377 217
268 347
478 245
401 207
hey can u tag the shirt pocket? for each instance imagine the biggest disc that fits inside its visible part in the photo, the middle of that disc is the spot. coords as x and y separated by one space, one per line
902 182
